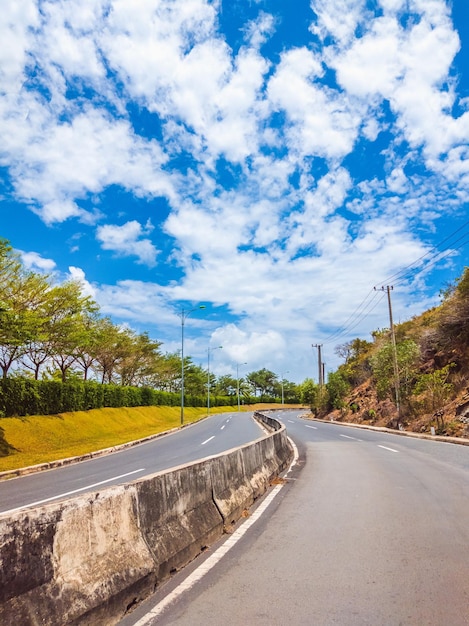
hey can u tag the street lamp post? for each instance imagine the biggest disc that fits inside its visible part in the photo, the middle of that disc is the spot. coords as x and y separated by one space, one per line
183 315
208 375
237 380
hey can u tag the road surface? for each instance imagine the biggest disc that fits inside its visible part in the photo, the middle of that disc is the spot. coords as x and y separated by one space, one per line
369 529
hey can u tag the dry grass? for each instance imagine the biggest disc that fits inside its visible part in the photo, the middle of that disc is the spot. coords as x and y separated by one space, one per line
41 438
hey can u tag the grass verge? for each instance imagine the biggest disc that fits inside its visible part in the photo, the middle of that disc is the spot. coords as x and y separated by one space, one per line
44 438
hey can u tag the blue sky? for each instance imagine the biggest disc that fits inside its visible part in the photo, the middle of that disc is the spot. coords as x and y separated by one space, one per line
274 161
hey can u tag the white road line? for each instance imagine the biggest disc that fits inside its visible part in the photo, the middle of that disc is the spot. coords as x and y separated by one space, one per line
347 437
212 560
70 493
386 448
207 440
223 427
315 427
291 421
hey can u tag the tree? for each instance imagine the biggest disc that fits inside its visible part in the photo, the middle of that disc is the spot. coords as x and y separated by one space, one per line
110 348
308 392
337 389
226 385
67 310
290 392
434 390
86 352
263 381
195 378
453 319
21 295
382 365
140 362
167 375
356 355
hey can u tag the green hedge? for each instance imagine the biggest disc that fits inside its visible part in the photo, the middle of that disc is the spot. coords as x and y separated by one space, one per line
23 396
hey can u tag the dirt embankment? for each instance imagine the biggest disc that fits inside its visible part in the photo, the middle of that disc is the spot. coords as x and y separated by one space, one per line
363 407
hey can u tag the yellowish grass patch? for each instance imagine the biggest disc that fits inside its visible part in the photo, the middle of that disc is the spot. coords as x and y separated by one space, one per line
43 438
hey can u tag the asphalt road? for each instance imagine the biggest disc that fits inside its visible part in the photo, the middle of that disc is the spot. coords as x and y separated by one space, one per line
210 436
369 529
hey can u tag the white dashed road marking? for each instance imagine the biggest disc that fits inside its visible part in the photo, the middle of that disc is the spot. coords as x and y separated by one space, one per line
386 448
207 440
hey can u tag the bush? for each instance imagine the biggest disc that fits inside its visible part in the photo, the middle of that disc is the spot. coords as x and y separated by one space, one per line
23 396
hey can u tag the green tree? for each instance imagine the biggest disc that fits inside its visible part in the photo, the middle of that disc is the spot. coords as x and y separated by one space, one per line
383 370
434 390
356 353
309 391
195 378
291 393
263 381
167 375
67 310
111 348
139 363
337 389
21 295
61 329
226 385
86 351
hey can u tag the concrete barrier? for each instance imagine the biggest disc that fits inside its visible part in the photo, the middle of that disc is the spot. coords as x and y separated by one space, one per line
85 561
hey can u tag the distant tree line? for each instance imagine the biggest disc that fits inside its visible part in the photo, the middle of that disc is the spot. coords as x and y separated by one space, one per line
52 333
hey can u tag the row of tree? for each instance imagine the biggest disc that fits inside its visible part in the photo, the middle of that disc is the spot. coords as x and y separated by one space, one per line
52 331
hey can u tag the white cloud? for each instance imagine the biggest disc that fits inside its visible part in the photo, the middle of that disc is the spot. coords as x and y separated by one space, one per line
392 62
371 65
37 263
259 30
248 348
144 304
322 121
127 240
68 41
397 181
78 275
337 18
18 19
69 160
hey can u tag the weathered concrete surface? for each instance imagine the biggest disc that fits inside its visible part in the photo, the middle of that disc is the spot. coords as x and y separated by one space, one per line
86 560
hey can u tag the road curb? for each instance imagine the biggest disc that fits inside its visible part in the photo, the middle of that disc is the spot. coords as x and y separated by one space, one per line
405 433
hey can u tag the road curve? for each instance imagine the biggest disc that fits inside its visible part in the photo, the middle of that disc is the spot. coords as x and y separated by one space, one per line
216 434
370 528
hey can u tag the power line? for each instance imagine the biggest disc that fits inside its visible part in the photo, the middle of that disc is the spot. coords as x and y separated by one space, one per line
357 316
435 255
435 252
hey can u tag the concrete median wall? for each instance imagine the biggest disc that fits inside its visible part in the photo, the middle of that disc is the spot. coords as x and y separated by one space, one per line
86 560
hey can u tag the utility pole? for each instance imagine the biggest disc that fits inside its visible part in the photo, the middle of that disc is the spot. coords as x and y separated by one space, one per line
394 353
320 368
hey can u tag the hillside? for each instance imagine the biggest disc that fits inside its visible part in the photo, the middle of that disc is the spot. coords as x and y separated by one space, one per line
432 356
